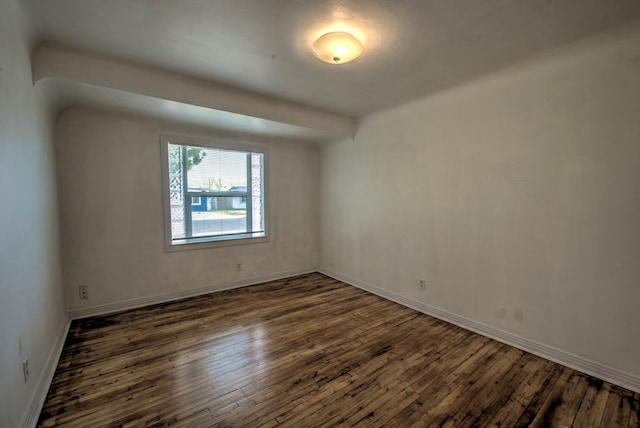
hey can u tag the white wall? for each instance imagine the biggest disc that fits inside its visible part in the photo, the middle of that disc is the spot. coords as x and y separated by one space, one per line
516 196
31 303
111 212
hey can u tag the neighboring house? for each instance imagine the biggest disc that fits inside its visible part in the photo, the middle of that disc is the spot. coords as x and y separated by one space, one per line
239 202
236 199
198 203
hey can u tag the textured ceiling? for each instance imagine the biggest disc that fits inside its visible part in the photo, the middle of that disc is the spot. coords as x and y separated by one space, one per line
412 47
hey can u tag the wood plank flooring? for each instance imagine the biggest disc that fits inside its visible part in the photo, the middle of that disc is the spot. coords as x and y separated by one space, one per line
311 351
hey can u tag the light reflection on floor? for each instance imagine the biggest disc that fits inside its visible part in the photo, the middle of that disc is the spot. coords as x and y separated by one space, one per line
230 362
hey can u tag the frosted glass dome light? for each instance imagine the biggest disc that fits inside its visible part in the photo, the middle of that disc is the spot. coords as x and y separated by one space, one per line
337 48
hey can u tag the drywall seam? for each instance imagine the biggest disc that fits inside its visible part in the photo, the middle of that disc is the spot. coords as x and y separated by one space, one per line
576 362
30 418
77 313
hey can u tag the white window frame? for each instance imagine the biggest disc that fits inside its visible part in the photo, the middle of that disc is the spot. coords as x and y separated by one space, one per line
212 241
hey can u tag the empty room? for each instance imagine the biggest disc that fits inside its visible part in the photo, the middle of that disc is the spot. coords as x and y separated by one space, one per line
252 213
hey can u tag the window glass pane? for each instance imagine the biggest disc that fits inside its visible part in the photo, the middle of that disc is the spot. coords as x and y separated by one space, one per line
176 195
257 175
215 169
215 193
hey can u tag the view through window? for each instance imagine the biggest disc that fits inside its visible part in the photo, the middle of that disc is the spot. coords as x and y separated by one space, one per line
215 193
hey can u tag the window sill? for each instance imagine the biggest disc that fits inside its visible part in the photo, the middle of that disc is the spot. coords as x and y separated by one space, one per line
202 243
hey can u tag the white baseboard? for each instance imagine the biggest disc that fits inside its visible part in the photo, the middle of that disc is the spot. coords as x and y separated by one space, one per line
576 362
107 308
30 418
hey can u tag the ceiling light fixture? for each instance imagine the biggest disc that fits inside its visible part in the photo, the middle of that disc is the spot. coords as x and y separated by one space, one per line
337 47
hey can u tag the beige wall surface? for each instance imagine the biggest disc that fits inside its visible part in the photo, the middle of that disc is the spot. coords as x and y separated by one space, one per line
31 303
516 198
109 173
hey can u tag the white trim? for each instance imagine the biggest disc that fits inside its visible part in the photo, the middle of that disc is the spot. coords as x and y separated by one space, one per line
107 308
31 416
576 362
195 243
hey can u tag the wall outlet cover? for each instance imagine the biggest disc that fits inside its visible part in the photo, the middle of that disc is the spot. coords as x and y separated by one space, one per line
83 292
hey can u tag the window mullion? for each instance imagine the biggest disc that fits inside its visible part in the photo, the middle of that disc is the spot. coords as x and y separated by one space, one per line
188 224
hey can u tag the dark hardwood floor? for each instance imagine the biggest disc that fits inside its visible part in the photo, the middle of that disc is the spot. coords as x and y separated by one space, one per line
311 351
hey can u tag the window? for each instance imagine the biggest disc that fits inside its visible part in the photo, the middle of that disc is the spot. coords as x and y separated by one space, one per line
214 193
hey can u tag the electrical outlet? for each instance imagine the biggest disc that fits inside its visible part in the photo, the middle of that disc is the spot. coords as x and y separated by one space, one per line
83 292
25 369
238 267
423 284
